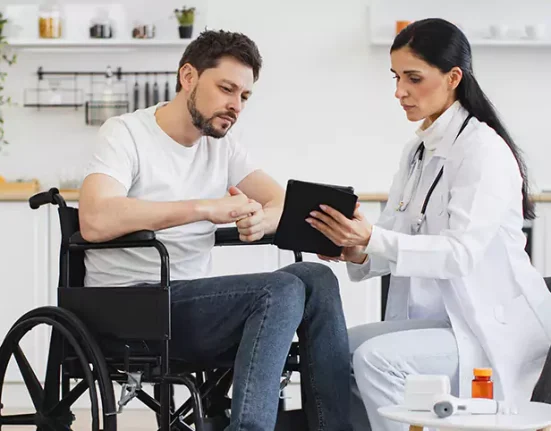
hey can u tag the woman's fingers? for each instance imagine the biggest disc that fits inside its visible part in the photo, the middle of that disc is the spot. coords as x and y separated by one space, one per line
330 259
335 215
324 229
324 218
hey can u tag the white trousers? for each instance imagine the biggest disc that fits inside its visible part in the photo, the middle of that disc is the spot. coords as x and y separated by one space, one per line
384 353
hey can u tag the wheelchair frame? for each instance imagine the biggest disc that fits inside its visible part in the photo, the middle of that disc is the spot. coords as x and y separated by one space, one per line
79 333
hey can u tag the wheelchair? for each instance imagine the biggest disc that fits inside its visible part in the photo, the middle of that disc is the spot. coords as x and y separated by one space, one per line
96 335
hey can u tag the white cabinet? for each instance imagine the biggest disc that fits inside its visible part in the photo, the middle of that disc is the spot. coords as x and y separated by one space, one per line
244 259
541 239
23 275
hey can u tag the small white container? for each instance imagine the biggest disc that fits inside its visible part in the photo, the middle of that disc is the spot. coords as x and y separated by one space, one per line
535 31
499 31
420 391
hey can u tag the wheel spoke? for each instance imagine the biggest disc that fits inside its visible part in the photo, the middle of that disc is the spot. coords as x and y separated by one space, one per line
52 425
59 427
24 419
68 400
31 381
53 372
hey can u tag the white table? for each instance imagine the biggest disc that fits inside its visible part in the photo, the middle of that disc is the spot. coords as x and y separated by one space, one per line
530 417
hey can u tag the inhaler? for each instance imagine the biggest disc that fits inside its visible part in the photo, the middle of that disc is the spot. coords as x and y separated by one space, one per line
446 405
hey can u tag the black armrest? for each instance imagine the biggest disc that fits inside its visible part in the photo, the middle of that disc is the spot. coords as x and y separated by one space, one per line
131 238
227 236
141 238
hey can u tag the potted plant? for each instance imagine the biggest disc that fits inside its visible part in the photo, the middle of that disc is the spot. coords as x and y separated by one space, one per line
186 18
3 22
9 59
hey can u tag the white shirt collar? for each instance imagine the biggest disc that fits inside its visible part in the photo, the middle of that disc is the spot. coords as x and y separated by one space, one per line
436 131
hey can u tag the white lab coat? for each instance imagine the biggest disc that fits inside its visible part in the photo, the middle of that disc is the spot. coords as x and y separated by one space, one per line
471 246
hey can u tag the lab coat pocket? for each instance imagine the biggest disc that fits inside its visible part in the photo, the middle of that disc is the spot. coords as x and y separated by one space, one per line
521 329
437 214
442 209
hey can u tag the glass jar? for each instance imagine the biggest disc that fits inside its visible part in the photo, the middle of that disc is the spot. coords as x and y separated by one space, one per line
49 21
101 30
101 26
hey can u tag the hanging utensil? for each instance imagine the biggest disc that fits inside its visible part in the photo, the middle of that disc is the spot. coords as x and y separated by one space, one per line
136 93
147 95
155 91
167 90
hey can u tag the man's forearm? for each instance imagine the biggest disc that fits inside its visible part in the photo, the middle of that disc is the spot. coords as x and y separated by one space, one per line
112 217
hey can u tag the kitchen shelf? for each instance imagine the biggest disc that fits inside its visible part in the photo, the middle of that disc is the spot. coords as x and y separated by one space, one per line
55 96
97 43
483 42
53 105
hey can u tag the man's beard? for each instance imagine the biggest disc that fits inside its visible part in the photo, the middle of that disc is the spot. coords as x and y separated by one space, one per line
204 124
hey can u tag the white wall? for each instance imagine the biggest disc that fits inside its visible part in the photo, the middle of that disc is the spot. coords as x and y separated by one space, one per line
324 108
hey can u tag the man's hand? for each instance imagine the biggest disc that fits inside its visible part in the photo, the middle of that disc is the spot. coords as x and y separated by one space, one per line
231 208
251 227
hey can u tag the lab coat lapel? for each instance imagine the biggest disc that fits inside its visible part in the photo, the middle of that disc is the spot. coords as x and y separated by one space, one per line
446 144
442 151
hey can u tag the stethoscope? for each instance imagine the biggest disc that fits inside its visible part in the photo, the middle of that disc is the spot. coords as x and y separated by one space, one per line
414 177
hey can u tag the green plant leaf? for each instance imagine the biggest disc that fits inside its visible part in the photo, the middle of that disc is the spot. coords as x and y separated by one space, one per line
10 59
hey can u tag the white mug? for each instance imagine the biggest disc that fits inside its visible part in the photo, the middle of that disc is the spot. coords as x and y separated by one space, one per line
498 31
535 31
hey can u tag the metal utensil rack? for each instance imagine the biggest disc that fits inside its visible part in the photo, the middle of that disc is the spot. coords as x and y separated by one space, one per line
63 91
118 72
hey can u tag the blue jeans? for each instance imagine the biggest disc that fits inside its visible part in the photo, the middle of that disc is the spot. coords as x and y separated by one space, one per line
252 319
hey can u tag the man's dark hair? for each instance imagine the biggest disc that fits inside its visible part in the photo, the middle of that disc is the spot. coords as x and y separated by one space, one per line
210 46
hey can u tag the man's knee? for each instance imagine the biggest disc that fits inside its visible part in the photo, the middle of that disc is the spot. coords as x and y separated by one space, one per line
286 292
318 278
320 270
310 270
322 287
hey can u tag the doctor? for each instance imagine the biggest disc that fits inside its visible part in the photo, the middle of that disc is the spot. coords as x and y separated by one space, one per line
463 292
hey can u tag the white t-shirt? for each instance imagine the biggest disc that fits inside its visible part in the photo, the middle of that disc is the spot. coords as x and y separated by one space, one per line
133 149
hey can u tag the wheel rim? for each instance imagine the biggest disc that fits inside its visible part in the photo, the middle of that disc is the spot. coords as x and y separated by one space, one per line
52 410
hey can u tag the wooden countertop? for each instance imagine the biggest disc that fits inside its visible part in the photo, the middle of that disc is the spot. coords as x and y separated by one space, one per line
542 197
72 195
382 197
21 196
372 197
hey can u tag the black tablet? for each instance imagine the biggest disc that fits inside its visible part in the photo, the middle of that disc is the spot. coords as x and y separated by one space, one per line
294 233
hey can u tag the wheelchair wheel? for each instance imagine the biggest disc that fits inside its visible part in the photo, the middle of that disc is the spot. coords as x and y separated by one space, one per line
71 348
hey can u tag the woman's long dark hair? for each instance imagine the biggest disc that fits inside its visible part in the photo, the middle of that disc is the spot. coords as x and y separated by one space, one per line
443 45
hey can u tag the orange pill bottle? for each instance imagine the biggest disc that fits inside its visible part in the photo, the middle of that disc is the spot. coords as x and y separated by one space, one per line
482 384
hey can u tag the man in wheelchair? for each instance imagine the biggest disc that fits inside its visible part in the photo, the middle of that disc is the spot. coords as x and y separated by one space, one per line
175 168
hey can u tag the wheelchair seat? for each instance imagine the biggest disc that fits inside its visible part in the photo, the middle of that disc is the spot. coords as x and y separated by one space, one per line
99 336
